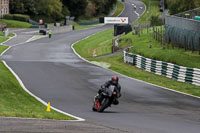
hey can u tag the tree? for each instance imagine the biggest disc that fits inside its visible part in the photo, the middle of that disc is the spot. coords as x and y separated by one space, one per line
23 6
54 9
48 8
103 6
178 6
76 7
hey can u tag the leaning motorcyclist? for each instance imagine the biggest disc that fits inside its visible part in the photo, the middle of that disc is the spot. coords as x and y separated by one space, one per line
114 81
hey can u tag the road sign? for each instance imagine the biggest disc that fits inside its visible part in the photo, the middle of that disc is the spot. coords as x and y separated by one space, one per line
116 20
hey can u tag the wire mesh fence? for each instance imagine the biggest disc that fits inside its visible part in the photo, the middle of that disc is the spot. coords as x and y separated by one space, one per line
183 30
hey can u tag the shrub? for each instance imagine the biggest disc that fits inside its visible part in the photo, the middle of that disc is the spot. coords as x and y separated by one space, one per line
18 17
156 21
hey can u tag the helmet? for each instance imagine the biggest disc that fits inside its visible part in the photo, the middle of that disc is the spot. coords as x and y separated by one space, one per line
115 80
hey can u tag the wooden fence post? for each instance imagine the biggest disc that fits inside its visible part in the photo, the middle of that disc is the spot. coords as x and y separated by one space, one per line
153 33
199 45
168 41
185 45
178 41
192 44
172 41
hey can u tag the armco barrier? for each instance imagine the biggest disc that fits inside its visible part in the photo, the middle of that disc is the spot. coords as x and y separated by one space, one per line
179 73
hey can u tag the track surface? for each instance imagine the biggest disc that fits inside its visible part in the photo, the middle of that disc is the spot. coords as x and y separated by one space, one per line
51 71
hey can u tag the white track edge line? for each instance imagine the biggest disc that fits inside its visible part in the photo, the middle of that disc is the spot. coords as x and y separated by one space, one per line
23 118
5 50
9 39
37 98
122 10
134 78
127 76
23 86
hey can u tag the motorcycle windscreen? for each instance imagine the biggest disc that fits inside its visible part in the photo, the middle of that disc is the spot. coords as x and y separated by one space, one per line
111 89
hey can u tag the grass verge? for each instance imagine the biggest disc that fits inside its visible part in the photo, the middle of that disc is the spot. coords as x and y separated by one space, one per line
118 65
3 39
85 48
95 45
154 11
173 55
15 24
98 44
80 27
15 102
120 8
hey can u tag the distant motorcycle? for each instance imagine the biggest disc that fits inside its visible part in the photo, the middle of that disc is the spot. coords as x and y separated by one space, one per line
104 99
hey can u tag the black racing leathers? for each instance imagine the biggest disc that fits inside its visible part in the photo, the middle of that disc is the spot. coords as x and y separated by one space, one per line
118 90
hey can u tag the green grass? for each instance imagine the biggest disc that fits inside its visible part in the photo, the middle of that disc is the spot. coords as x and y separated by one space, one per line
99 44
1 33
80 27
154 10
141 46
2 48
3 39
96 45
15 102
120 8
15 24
177 55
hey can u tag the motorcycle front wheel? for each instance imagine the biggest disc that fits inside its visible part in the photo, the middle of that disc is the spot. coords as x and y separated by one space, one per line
104 104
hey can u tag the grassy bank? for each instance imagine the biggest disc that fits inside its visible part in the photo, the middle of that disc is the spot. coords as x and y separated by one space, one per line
174 55
99 44
154 11
15 24
2 48
141 46
15 102
80 27
96 45
3 39
120 8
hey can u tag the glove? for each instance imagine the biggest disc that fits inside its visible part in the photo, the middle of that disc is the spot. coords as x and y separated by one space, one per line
103 87
100 91
119 95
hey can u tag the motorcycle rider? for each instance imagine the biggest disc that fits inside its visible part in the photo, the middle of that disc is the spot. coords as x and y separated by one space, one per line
114 81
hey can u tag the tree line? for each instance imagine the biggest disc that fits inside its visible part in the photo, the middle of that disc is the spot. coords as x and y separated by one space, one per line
177 6
57 9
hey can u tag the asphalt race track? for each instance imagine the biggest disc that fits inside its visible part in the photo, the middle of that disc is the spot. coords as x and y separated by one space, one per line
50 70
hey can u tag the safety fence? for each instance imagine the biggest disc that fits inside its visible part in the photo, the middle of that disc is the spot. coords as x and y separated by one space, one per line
183 32
173 71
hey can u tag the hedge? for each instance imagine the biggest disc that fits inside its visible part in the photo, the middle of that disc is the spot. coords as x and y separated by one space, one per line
19 17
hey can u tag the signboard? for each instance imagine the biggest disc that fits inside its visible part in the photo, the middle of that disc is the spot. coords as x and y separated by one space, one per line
116 20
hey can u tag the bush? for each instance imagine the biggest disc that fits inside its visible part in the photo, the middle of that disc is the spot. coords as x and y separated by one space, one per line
156 21
18 17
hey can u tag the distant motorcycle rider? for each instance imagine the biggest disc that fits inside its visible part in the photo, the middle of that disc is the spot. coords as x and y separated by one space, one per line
114 81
